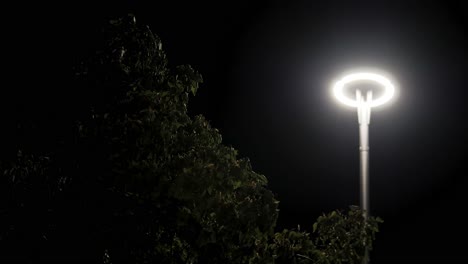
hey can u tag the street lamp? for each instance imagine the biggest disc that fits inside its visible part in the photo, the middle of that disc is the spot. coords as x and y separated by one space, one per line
364 106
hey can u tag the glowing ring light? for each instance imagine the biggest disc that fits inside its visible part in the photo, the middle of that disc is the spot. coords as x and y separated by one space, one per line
340 85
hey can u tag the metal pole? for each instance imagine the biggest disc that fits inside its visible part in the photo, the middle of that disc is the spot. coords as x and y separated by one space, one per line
364 167
364 111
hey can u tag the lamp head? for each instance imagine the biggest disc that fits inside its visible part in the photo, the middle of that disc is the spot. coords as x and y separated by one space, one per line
340 86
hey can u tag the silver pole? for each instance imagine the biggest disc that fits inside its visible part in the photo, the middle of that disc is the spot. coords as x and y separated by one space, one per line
364 167
364 112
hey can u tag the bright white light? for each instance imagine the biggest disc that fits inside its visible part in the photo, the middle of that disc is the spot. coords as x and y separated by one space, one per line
338 88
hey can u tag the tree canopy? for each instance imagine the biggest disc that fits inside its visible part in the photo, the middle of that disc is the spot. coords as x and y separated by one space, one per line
135 179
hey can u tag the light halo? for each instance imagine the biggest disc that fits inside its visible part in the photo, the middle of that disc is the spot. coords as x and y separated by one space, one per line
339 87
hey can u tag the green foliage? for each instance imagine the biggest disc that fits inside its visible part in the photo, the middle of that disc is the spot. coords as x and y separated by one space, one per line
343 238
337 238
292 246
215 207
141 181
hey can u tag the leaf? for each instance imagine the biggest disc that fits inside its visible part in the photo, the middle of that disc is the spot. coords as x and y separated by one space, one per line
194 89
237 184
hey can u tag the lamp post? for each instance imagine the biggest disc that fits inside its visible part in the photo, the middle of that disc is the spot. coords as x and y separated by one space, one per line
364 105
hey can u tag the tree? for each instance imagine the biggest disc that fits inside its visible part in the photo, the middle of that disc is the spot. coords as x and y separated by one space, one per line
139 180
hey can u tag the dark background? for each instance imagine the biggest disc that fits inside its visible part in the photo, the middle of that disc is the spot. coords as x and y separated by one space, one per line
268 66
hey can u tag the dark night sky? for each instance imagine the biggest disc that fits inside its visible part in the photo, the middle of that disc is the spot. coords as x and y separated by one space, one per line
268 66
